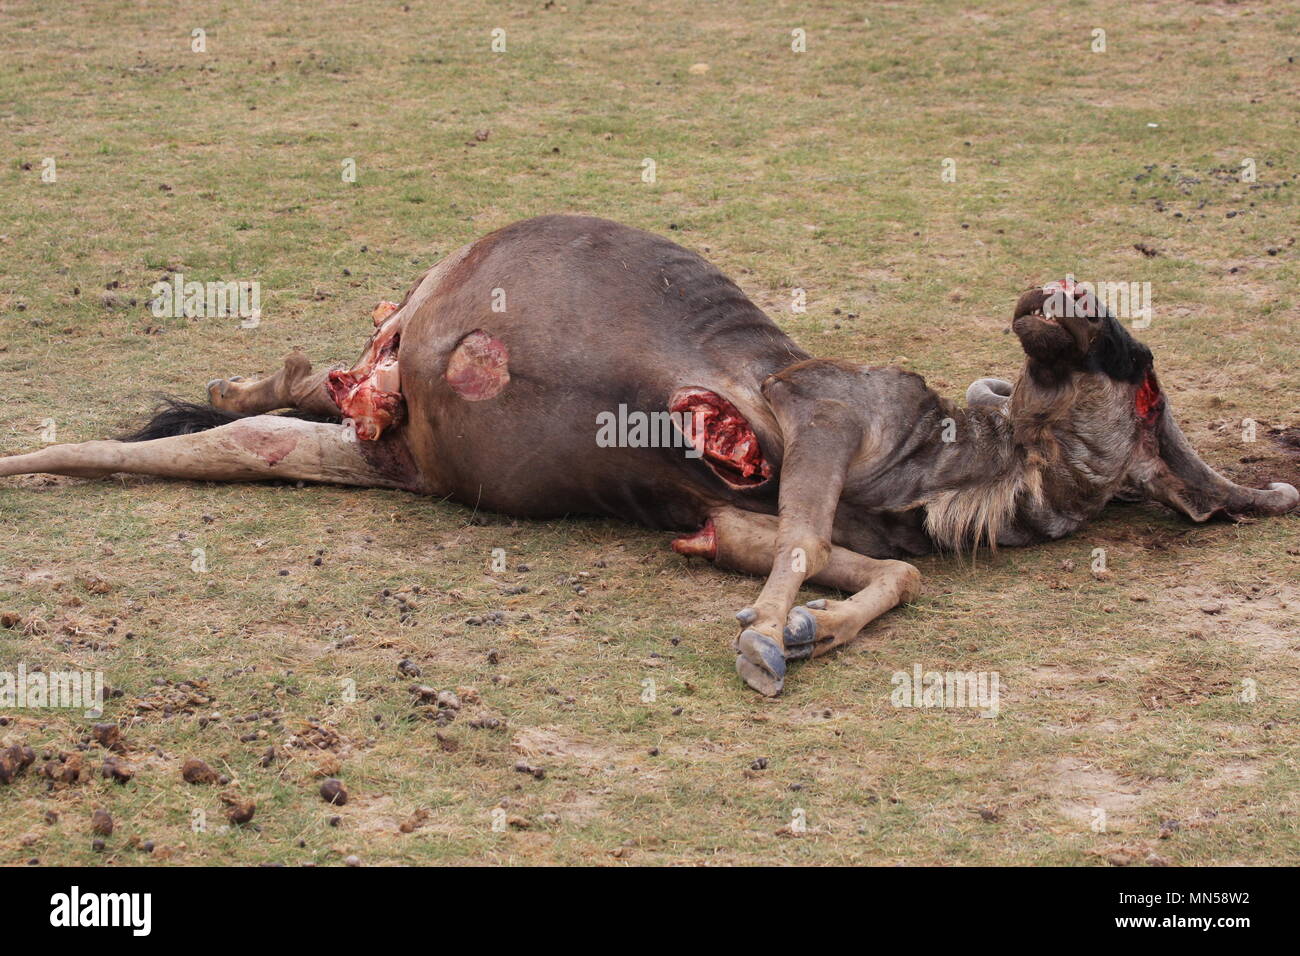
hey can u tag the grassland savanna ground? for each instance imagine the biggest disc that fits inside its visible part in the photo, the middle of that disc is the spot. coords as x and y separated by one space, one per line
1148 706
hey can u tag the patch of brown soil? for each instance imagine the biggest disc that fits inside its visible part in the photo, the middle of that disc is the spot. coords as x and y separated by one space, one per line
1136 529
1173 687
1264 615
312 736
1275 457
1235 774
546 742
1082 789
167 700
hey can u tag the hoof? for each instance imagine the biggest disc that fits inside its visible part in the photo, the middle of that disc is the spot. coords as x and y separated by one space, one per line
747 616
217 389
800 632
760 663
757 678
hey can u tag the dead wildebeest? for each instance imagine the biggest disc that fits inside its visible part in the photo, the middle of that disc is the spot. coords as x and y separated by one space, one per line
494 379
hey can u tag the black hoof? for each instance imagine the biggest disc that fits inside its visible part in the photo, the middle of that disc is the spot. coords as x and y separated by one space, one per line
799 634
760 663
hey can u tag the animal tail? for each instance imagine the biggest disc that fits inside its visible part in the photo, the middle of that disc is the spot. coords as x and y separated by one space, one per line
175 416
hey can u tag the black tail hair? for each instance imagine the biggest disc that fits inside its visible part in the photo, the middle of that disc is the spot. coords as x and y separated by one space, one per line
175 416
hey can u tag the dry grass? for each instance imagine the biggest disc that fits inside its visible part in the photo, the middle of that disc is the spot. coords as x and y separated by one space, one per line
820 171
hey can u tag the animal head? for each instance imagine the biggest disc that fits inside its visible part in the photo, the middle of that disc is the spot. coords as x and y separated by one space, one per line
1088 379
1063 328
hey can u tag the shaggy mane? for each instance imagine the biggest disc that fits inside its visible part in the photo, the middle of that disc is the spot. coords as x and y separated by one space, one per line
962 518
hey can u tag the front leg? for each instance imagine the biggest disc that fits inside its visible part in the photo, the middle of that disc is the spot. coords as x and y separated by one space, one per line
821 437
745 541
820 626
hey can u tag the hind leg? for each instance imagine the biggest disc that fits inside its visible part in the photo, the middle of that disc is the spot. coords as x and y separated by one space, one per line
258 448
295 385
746 541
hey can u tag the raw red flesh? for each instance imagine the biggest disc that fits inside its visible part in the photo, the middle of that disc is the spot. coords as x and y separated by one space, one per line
1149 400
382 311
720 432
370 394
479 368
1066 285
701 544
371 409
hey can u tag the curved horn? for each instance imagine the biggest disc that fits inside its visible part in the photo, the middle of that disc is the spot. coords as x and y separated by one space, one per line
988 392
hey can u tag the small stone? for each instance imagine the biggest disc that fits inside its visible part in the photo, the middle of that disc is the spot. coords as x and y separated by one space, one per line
332 791
116 770
101 821
239 811
196 771
14 760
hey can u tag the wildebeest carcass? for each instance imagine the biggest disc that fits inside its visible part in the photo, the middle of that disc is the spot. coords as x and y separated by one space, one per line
493 379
